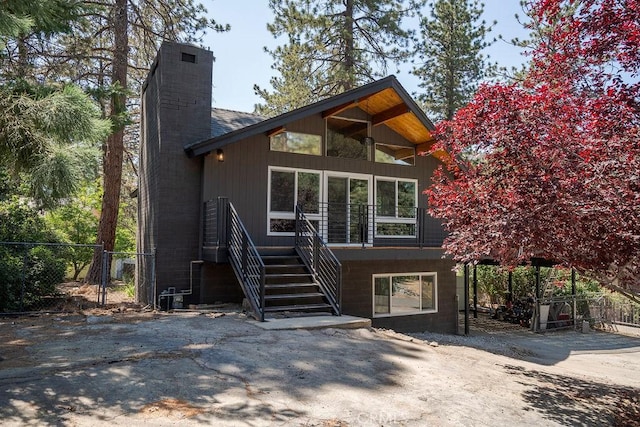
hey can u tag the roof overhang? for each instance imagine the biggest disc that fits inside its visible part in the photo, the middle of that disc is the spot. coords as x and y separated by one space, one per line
385 101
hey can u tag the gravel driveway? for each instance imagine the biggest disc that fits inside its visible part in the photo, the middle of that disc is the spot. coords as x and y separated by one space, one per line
220 369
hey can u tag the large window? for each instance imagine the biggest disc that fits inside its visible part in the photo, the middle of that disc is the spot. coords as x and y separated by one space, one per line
396 202
346 138
347 208
404 293
293 142
395 154
288 188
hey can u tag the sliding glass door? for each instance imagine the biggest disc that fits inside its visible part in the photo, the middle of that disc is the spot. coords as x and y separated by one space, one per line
347 203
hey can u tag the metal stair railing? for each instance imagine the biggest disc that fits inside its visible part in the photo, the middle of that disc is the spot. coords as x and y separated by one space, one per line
247 263
320 260
214 222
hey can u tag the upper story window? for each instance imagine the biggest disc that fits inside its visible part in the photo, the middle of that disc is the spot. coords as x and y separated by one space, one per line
395 154
396 198
396 201
299 143
346 138
288 188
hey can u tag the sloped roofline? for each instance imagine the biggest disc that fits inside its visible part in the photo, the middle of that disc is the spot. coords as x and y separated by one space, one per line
211 144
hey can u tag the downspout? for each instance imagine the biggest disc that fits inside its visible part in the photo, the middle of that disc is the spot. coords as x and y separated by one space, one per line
201 215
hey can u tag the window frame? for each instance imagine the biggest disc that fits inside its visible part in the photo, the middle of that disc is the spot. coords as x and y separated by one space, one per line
390 276
400 147
291 215
325 196
395 219
369 149
286 133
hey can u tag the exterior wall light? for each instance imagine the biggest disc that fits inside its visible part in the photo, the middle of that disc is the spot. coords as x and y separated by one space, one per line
220 155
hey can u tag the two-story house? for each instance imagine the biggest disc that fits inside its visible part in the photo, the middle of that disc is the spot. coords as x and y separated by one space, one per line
319 209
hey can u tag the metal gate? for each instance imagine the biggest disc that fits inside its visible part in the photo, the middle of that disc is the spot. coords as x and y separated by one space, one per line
129 267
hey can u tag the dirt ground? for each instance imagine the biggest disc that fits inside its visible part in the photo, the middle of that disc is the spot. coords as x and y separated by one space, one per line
121 366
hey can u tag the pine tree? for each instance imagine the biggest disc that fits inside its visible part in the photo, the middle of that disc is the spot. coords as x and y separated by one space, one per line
46 131
332 46
450 50
109 52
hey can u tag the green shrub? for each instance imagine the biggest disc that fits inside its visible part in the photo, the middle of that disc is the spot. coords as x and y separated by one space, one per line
45 269
28 273
10 280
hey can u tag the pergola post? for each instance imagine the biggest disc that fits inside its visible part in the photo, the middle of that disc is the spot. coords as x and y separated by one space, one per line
536 323
475 292
466 299
573 297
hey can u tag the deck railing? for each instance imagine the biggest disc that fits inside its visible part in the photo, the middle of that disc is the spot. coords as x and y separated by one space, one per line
340 224
246 262
371 225
319 259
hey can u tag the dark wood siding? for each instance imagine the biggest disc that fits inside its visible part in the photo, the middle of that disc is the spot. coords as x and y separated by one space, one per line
357 293
243 176
219 284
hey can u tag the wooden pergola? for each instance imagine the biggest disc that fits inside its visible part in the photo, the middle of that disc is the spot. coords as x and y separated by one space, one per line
535 262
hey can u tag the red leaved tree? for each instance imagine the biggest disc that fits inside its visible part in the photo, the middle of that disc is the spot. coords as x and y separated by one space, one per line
550 166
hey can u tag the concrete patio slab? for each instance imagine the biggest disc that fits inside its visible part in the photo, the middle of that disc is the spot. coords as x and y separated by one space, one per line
315 322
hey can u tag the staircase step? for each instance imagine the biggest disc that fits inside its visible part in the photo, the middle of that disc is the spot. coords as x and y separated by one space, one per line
287 275
290 285
294 296
298 307
289 260
292 256
276 251
284 266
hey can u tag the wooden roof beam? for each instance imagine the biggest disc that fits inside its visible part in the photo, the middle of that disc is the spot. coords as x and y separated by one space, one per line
353 129
338 109
441 155
404 153
389 114
274 131
425 146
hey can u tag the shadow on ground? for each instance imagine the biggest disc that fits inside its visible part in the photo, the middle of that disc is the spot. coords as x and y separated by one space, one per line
545 348
573 401
179 366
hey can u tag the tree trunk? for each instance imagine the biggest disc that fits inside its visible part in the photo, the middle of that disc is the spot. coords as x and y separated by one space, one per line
349 51
453 63
114 150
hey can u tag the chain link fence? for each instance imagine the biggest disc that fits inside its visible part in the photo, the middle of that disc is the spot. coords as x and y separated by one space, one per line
38 276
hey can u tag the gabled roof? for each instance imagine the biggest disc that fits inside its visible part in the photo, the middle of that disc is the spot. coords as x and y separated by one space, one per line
385 101
225 121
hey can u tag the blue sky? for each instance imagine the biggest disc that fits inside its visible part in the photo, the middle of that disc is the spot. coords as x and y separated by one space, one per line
242 62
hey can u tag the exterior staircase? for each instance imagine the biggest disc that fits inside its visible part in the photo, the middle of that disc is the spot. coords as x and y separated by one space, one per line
306 277
289 286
